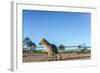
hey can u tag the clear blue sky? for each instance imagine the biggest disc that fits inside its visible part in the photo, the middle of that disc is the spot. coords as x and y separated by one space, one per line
68 28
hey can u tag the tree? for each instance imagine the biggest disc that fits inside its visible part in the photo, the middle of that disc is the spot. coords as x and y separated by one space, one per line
79 47
32 46
28 45
84 48
61 47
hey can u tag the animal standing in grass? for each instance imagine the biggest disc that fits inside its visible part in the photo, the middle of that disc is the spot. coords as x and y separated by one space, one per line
52 51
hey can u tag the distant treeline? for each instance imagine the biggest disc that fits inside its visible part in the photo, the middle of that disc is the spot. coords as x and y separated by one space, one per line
30 46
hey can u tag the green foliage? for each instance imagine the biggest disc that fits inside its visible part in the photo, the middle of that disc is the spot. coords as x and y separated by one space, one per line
37 51
28 45
61 47
85 51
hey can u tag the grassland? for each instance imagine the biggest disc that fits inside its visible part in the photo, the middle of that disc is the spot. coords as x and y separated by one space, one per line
39 56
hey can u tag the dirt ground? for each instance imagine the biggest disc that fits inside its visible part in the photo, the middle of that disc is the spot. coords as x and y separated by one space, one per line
40 57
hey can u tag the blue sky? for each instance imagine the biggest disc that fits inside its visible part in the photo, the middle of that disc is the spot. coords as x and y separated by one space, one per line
68 28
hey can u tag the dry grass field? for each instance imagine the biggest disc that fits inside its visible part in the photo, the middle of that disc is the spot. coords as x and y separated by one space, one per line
40 57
